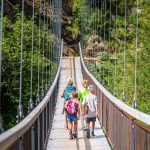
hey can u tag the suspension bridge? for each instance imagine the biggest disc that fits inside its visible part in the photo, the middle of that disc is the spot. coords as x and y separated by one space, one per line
118 126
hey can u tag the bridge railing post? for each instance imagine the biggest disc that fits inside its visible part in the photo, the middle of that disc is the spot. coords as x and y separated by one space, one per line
133 136
33 137
122 132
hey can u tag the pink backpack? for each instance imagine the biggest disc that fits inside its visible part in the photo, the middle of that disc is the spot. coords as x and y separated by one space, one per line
72 107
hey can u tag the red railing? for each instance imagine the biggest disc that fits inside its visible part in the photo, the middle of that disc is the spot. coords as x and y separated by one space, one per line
125 127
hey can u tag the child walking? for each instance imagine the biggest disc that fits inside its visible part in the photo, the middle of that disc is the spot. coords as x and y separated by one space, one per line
81 95
73 114
90 102
83 92
66 95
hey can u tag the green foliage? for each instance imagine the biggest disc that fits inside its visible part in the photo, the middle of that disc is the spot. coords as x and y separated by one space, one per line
74 30
11 66
106 68
103 55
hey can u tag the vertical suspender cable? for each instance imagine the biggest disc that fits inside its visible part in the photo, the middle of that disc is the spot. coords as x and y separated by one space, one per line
125 30
39 51
59 30
56 27
98 36
81 37
109 44
49 43
57 14
100 46
114 92
91 23
97 71
1 33
20 109
31 101
103 23
52 44
54 32
47 29
93 34
135 74
92 28
103 81
95 21
42 94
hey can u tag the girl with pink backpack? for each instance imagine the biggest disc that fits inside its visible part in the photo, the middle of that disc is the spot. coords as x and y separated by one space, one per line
73 114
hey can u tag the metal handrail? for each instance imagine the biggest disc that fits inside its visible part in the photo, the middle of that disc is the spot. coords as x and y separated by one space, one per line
13 134
145 118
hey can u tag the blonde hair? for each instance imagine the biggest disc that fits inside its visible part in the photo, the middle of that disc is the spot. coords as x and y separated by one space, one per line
70 81
85 82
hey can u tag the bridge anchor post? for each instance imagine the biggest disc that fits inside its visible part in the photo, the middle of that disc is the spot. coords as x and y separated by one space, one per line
19 113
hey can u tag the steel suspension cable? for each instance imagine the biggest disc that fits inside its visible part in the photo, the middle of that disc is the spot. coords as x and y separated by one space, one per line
31 77
39 52
125 31
20 109
47 43
136 51
110 7
94 33
56 34
114 92
42 92
92 28
97 40
103 81
52 44
60 14
101 42
1 34
95 36
98 36
103 25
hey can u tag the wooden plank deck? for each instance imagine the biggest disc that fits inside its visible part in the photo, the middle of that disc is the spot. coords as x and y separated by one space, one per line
59 137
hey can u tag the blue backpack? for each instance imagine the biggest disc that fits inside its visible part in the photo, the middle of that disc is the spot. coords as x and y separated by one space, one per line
68 91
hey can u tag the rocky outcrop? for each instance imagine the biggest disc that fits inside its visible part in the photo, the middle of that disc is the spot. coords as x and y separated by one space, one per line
95 44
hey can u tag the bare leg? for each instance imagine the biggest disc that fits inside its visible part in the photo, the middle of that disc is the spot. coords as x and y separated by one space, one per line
88 130
88 125
70 124
75 125
93 126
75 129
66 126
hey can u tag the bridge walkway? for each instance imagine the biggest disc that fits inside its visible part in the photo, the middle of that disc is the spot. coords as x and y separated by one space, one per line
59 137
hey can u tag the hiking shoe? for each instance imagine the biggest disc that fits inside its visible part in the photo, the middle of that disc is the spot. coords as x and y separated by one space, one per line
85 128
70 136
92 133
75 135
88 133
